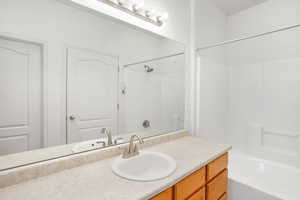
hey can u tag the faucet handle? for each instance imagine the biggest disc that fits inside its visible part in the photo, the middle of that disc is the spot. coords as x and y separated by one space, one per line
140 140
105 130
126 153
136 150
132 149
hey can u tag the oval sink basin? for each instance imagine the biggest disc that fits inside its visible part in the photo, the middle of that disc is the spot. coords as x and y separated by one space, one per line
147 166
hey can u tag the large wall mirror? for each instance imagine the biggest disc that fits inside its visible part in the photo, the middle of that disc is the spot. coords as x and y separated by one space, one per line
70 78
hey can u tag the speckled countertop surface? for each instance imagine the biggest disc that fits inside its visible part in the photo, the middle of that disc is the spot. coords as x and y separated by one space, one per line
96 181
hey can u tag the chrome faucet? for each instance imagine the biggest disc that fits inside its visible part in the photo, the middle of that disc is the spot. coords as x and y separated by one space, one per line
132 149
107 132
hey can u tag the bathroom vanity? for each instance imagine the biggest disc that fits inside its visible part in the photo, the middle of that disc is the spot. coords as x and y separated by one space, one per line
207 183
201 173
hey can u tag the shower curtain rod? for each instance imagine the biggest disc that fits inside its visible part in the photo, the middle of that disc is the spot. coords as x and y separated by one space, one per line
154 59
248 37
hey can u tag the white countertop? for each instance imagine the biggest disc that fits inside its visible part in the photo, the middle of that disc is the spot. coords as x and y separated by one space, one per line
96 181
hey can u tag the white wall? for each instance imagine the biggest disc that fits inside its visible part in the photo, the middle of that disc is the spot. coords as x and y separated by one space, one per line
210 28
210 23
271 15
58 25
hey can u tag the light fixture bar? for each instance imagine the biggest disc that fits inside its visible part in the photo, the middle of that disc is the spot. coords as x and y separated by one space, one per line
133 13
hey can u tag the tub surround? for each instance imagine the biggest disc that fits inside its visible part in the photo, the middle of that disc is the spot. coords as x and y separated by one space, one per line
96 180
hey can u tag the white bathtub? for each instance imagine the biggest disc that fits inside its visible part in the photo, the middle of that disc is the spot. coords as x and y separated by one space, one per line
256 179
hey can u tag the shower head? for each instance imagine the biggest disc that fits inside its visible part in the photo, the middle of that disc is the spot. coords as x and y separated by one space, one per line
148 69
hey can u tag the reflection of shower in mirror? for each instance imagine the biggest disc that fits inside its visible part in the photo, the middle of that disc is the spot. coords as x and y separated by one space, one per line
148 69
154 99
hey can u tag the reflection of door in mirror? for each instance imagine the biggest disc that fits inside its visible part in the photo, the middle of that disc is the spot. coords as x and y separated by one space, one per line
92 100
20 94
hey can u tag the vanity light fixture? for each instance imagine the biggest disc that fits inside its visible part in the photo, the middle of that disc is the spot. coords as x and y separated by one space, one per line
136 8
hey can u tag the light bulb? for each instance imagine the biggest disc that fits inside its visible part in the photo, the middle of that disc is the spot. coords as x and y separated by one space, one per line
137 6
150 13
114 1
125 4
163 17
122 2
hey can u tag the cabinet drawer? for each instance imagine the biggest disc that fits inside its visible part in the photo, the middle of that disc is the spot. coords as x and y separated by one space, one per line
165 195
216 166
200 195
224 197
190 184
217 187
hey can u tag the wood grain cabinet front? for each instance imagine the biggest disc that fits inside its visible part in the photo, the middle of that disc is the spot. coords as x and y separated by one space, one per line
165 195
217 187
190 184
216 166
207 183
200 195
224 197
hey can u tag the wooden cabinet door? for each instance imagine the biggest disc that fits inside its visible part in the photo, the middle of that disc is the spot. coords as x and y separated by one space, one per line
165 195
217 187
224 197
200 195
216 166
190 184
207 183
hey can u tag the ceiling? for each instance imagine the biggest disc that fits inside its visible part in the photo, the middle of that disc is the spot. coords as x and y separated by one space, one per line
233 6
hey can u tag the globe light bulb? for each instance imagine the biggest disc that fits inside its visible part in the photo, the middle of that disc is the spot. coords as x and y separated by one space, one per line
122 2
150 13
114 1
163 17
137 5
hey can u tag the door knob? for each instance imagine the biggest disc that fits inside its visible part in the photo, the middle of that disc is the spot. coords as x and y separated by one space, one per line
72 117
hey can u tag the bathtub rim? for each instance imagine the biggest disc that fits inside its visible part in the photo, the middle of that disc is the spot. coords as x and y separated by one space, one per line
258 160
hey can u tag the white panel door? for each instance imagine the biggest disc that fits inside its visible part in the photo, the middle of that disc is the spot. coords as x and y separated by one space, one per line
20 96
92 85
